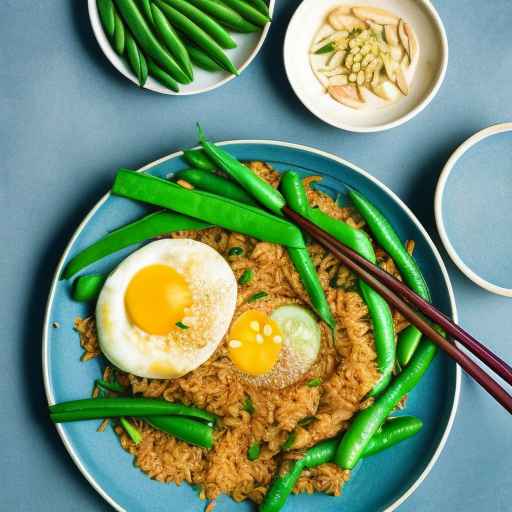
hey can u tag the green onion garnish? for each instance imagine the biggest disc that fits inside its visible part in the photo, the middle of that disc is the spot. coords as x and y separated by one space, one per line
248 405
246 276
110 386
131 430
313 383
254 451
329 47
181 325
235 251
257 296
304 422
289 441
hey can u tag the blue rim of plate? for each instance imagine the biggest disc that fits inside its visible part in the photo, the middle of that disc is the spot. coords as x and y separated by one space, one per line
456 384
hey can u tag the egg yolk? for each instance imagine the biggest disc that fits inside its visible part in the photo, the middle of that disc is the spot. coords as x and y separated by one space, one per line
254 342
156 299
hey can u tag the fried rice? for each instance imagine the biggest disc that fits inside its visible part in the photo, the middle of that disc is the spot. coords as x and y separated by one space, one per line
346 367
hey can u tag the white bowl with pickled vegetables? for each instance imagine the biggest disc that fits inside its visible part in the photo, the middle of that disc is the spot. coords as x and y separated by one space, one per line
239 43
365 66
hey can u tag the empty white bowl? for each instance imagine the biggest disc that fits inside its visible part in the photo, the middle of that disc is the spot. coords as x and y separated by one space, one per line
248 46
428 77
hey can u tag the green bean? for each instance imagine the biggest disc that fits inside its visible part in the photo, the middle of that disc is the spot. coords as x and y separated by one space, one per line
208 24
110 385
197 159
394 431
135 59
162 76
225 15
201 59
94 408
132 431
206 180
107 16
220 211
248 12
380 313
309 278
150 226
119 35
389 240
146 8
258 188
172 41
148 42
254 451
188 430
88 287
195 33
261 6
369 420
246 277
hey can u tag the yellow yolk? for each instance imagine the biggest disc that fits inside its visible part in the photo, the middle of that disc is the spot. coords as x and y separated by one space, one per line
254 342
156 298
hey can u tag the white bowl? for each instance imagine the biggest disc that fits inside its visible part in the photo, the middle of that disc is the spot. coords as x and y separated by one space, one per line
438 208
428 77
248 46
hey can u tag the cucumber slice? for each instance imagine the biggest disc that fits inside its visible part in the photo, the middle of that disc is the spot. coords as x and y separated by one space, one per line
301 332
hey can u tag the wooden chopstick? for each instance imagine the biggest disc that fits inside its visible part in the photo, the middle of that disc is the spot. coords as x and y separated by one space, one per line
396 293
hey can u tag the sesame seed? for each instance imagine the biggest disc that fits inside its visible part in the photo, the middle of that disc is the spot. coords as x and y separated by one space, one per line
267 330
255 326
259 339
278 339
235 344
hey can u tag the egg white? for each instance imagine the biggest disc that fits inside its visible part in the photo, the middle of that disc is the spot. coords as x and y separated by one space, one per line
214 291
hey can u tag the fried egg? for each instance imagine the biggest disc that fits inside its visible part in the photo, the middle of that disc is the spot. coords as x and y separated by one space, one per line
274 350
164 310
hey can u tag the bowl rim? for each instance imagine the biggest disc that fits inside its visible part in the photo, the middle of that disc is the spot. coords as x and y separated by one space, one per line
384 126
45 367
438 207
115 60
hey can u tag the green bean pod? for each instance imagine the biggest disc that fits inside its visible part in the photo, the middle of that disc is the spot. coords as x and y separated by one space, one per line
202 60
162 76
87 288
225 15
95 408
223 212
380 313
369 420
281 488
209 182
395 430
146 9
150 226
171 40
196 34
389 240
309 277
106 12
208 24
248 12
188 430
260 189
119 35
261 6
197 159
136 60
148 42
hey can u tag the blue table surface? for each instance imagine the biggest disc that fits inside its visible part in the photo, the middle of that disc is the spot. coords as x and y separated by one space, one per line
69 120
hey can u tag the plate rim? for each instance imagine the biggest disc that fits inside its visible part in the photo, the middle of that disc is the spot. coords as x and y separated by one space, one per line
45 369
436 18
461 150
114 59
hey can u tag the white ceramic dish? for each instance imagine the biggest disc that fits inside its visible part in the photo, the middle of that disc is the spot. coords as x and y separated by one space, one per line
248 46
439 214
428 77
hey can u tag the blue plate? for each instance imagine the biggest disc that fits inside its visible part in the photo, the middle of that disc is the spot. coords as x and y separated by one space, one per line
109 468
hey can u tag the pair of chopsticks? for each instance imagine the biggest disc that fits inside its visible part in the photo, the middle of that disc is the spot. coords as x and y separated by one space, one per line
405 301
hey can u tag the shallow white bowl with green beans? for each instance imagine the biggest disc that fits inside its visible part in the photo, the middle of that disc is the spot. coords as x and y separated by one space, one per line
248 46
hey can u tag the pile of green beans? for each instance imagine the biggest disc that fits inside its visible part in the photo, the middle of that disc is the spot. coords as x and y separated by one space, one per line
187 423
164 38
393 432
378 308
389 240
